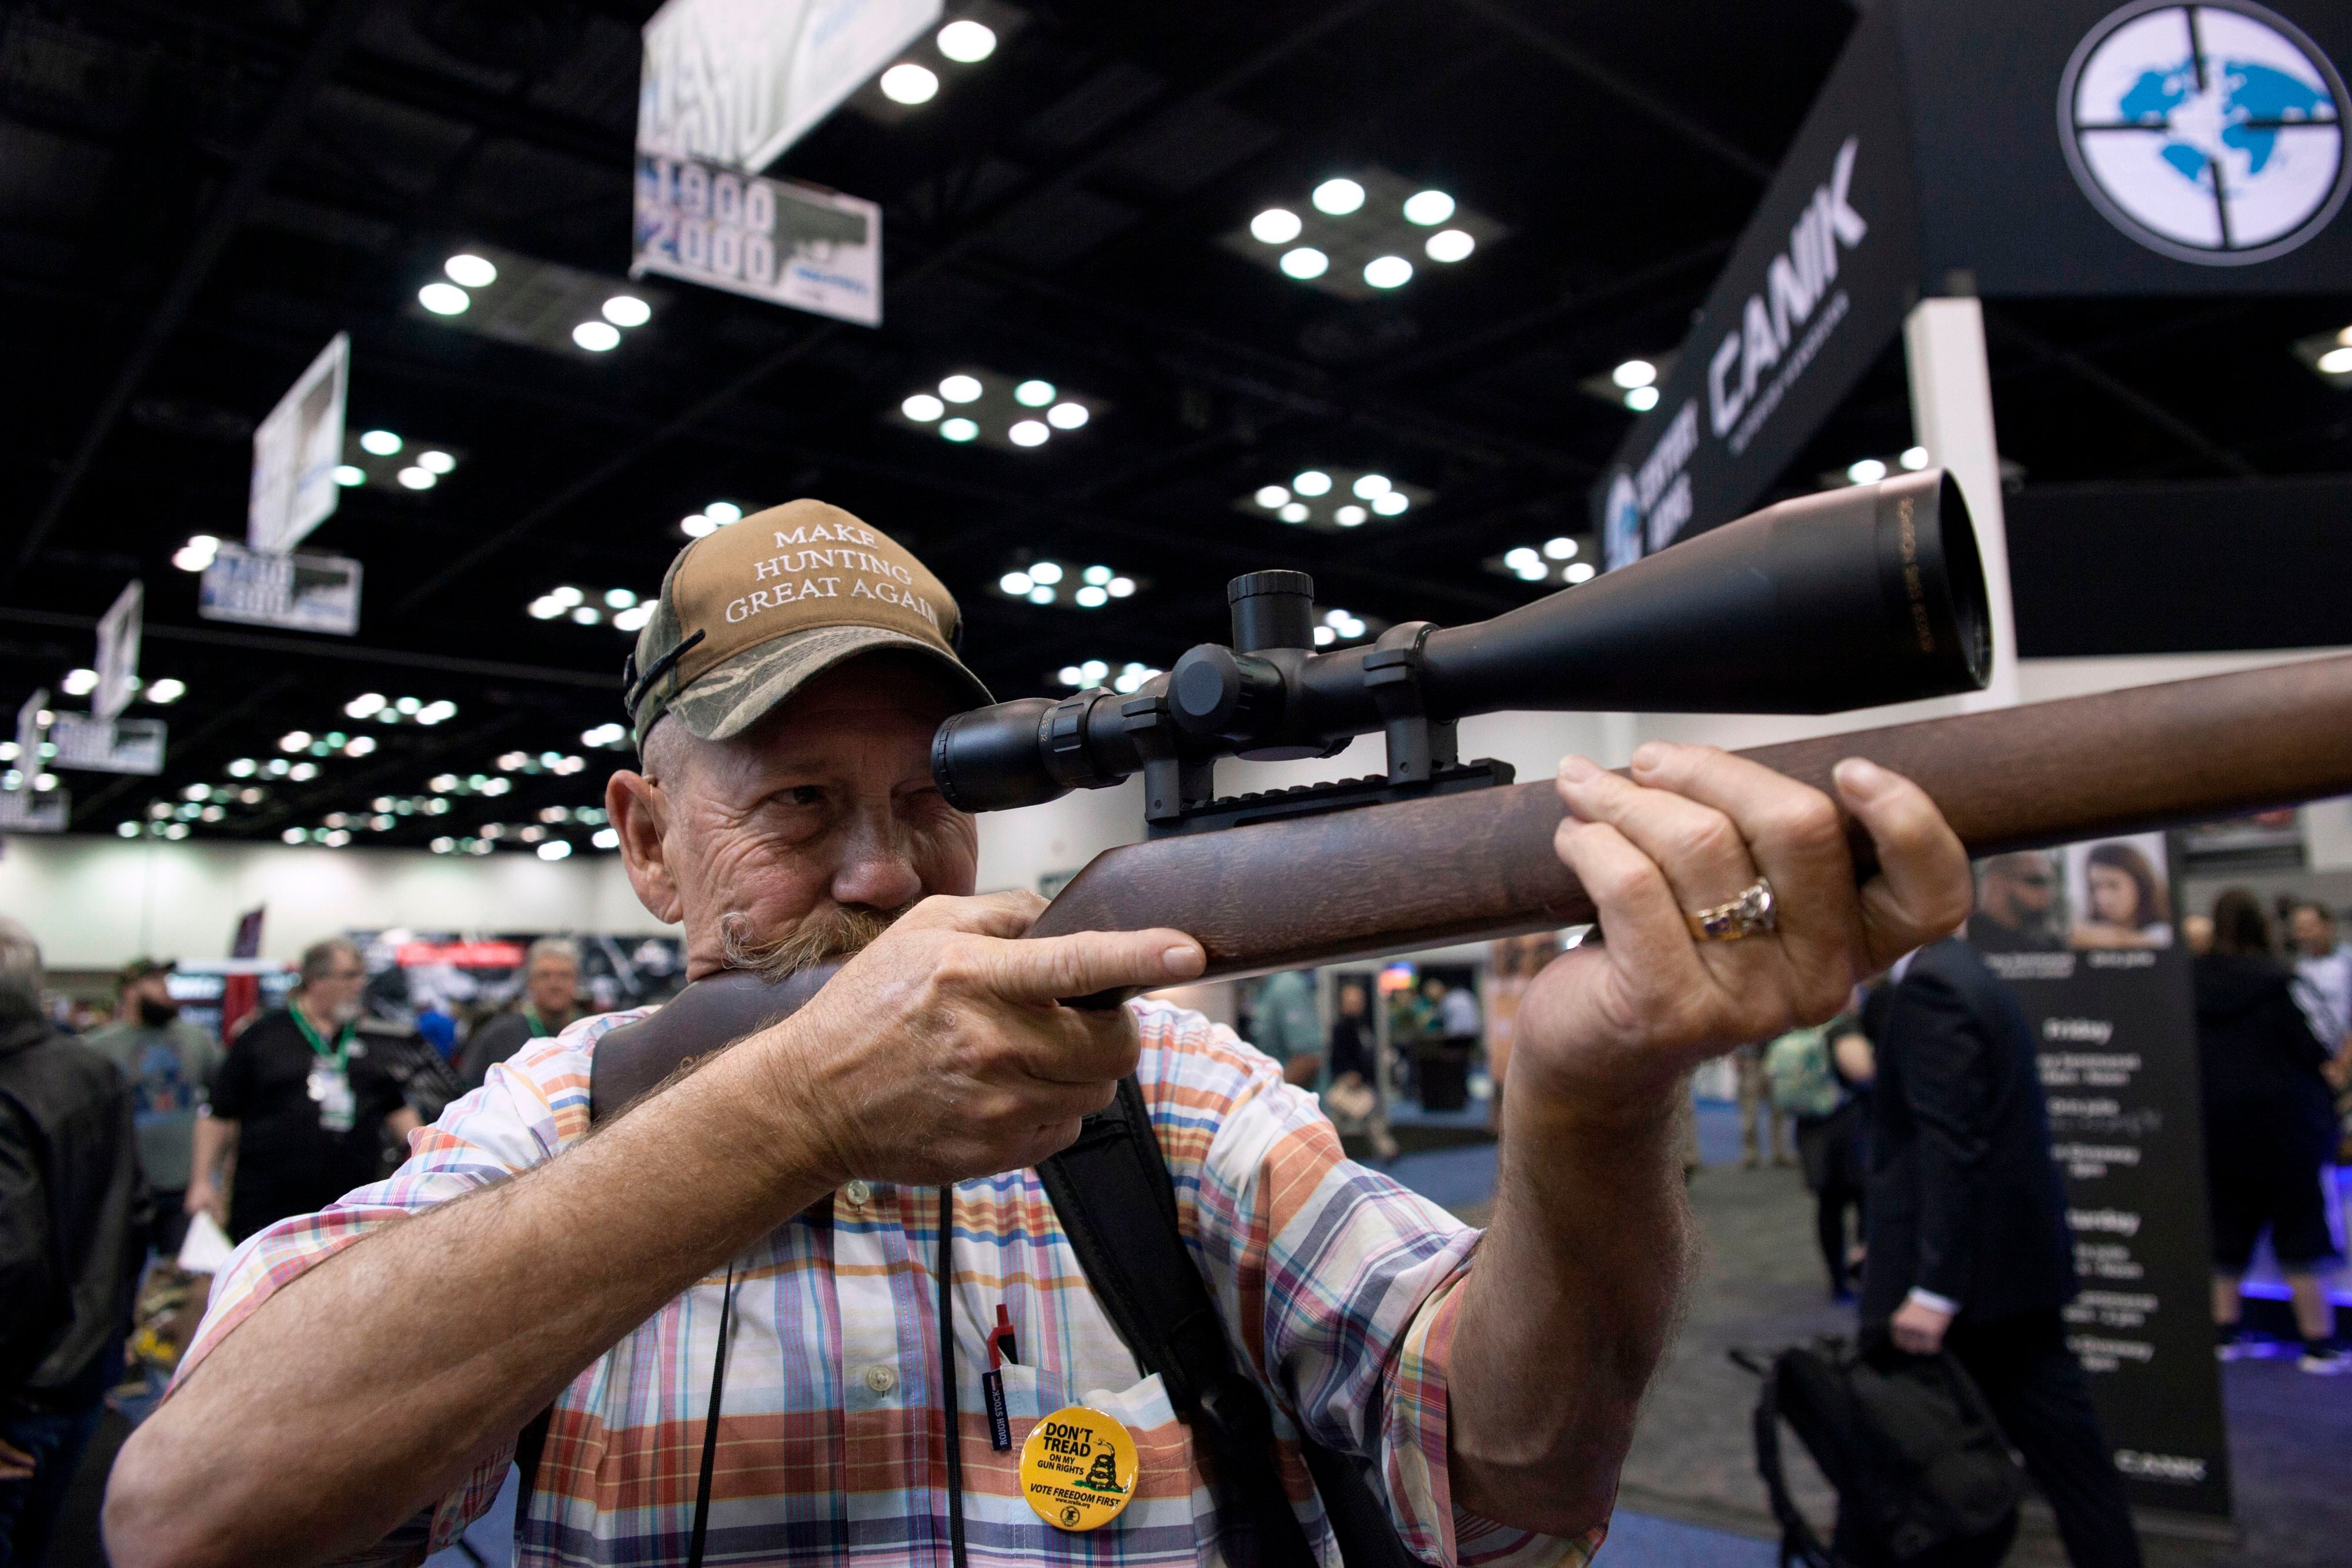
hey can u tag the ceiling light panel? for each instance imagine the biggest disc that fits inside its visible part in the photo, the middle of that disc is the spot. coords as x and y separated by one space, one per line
1334 499
377 458
535 304
1563 560
1049 582
973 406
1388 242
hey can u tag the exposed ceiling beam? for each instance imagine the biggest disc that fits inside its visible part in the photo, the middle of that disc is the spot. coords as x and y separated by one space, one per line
277 136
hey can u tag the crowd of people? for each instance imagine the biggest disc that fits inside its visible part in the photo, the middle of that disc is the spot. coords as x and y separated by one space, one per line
115 1139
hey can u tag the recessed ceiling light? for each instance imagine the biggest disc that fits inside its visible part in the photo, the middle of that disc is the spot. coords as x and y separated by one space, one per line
1350 516
1311 481
967 42
2335 361
1428 208
567 596
1096 575
1390 503
1067 416
1305 263
1913 458
1276 225
1045 571
1016 583
1449 245
1369 486
1271 497
961 388
473 271
1642 399
1028 432
1293 513
723 512
1092 598
695 526
436 462
959 429
922 408
79 682
627 310
1388 272
1033 393
1337 197
167 690
379 444
1635 373
1562 548
1582 571
444 298
909 83
1869 471
1120 586
349 476
619 599
1041 594
417 478
597 337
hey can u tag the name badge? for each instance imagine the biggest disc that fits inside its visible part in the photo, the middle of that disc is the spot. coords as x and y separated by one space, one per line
1077 1468
332 1088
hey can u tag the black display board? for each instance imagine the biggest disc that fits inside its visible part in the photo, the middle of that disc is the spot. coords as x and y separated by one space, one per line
2107 990
2006 148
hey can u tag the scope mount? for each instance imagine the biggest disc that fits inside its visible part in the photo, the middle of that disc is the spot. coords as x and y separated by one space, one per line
1219 690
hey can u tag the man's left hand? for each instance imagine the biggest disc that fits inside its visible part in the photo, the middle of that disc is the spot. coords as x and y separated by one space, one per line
1918 1327
1610 1027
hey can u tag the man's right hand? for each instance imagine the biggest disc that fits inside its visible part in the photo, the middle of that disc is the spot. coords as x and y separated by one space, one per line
204 1197
943 1051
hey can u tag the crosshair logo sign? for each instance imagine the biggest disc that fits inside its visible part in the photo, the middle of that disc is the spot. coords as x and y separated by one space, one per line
2210 133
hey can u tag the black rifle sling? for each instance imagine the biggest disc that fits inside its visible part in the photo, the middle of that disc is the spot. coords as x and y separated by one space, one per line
1116 1202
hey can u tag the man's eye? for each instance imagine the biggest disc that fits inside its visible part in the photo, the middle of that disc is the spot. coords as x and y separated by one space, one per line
805 795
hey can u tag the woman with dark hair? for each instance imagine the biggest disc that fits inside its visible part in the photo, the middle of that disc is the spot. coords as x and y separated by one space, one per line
2128 905
2269 1129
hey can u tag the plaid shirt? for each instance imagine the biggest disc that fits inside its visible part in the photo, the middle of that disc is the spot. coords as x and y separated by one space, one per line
1340 1290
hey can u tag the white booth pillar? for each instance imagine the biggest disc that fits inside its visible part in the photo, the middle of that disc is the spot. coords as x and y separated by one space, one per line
1951 416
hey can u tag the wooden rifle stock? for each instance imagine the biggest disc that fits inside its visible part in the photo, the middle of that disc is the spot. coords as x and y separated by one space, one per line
1464 867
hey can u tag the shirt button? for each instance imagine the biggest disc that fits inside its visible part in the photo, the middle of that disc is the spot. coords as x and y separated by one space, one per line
880 1378
857 1193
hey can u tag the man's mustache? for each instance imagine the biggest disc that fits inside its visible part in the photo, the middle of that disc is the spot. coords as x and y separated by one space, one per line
819 938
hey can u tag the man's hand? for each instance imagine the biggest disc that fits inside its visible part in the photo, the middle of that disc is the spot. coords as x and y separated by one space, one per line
943 1051
204 1197
1614 1023
1918 1327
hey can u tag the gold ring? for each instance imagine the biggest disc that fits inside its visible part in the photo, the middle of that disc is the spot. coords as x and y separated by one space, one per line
1754 911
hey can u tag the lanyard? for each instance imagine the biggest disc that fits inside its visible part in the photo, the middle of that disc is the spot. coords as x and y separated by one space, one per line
534 1022
343 1046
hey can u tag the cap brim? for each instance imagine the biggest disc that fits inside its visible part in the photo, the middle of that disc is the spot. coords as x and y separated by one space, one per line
729 698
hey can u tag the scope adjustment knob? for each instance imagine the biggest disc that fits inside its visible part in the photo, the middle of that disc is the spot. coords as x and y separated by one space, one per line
1215 691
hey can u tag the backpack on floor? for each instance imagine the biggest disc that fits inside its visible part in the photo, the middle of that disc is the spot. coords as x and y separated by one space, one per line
1923 1475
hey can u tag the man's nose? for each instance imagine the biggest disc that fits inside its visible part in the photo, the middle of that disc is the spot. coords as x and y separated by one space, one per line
878 866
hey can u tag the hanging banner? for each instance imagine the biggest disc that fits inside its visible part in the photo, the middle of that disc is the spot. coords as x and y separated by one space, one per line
118 651
303 592
26 810
801 246
2085 937
295 451
735 82
90 744
32 727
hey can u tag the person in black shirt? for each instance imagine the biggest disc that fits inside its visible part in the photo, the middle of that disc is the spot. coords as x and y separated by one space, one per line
551 1000
302 1103
2017 903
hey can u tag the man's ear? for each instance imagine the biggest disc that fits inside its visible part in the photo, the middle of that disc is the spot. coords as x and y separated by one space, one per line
640 814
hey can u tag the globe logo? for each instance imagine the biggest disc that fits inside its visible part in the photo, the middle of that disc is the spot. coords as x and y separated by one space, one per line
2211 133
1621 527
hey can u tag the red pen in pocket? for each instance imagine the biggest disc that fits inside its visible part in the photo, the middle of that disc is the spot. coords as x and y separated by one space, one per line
1001 1348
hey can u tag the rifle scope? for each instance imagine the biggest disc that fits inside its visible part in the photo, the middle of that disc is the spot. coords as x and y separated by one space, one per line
1843 600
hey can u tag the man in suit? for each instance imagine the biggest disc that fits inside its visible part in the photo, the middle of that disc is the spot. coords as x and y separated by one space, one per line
1969 1250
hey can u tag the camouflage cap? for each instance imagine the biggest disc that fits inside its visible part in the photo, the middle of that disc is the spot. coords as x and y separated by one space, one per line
750 613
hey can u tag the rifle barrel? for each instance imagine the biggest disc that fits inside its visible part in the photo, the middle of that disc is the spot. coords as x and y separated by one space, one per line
1454 868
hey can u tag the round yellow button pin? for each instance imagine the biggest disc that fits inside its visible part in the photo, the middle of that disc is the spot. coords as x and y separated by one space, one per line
1077 1468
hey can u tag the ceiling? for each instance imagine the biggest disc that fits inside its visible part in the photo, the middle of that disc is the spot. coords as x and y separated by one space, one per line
197 194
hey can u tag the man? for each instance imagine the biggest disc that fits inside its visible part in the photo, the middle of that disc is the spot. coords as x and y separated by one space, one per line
170 1064
1968 1246
1288 1026
1457 1011
73 1230
551 1000
2325 967
2017 899
794 671
301 1101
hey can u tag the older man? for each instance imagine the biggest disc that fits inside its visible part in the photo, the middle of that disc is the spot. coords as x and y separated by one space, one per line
793 671
551 1000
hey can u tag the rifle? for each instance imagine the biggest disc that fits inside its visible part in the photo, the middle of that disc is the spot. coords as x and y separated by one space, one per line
1845 599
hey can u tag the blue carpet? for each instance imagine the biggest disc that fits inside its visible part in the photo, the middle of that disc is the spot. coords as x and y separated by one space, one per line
1639 1541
